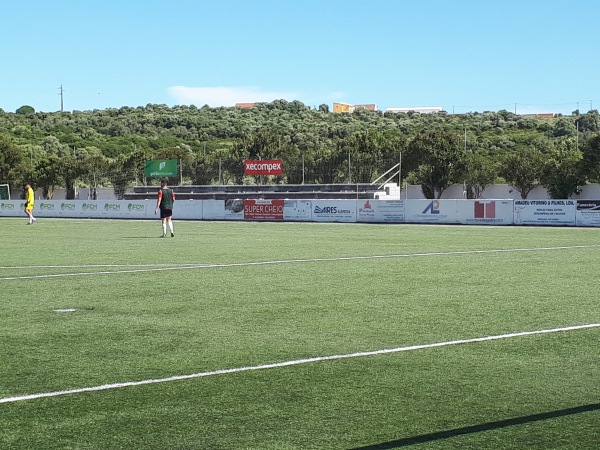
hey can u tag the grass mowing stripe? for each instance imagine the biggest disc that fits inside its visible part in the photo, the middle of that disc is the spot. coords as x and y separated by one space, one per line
292 363
262 263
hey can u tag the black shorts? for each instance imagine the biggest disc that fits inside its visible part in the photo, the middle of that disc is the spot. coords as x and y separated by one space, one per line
164 213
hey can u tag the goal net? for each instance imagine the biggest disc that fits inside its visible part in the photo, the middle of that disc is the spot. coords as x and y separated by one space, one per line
4 192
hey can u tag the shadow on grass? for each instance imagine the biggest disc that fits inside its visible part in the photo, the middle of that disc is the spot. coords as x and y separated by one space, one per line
479 428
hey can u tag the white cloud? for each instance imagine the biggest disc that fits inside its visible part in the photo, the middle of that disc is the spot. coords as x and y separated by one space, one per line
225 96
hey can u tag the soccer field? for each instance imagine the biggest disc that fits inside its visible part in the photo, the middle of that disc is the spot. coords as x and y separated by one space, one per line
241 335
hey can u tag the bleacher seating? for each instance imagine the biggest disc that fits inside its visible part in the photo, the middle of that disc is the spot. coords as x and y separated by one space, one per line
265 191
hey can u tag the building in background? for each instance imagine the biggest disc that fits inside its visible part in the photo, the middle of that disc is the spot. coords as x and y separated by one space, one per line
347 108
417 109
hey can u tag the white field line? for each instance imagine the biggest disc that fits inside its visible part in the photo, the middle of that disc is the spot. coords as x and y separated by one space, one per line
295 362
73 266
150 268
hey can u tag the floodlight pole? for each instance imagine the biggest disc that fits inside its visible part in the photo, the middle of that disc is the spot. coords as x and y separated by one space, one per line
400 177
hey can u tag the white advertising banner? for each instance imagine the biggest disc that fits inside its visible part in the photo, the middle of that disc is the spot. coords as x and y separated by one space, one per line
477 212
545 212
297 210
186 209
334 210
380 211
430 211
484 212
233 209
116 209
588 213
213 209
12 208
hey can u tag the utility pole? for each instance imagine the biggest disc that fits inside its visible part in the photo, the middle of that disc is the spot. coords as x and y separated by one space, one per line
62 98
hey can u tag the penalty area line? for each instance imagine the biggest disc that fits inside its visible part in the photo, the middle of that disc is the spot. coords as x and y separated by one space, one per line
295 362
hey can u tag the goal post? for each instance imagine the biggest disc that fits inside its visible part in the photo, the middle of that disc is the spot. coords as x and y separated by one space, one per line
4 192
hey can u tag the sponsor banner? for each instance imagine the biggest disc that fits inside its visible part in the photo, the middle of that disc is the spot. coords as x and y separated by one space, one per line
430 211
139 209
161 168
12 208
113 208
544 212
69 208
334 210
380 211
47 208
263 167
233 209
91 208
297 210
261 209
588 213
484 212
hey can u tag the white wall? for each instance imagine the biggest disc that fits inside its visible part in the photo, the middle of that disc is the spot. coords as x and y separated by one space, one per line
495 191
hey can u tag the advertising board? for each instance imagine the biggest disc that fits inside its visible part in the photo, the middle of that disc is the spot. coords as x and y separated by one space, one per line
263 209
334 210
588 213
380 211
484 212
544 212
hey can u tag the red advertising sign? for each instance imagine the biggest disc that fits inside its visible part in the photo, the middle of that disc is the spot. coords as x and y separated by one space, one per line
263 167
258 209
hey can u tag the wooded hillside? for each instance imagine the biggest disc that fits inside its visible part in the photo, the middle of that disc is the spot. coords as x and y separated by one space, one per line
109 147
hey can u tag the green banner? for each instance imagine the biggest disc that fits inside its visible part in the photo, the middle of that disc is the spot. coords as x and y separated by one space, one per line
161 169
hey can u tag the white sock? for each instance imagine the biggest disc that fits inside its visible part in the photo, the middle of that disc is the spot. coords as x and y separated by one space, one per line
164 226
171 226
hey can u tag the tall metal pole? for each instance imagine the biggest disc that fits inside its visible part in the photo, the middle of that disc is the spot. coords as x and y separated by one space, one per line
349 168
400 177
62 102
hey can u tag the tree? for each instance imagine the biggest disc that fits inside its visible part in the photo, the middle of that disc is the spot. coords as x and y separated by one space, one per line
437 160
70 170
47 175
522 169
125 169
561 173
182 154
95 169
14 168
364 148
480 173
26 110
564 127
324 108
590 121
591 159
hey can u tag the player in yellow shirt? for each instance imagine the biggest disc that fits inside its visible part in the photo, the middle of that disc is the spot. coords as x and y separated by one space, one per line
29 201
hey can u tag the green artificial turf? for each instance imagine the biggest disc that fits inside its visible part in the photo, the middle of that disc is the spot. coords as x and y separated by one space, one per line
231 295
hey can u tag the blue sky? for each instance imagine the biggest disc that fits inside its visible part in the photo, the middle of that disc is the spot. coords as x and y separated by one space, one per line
463 55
